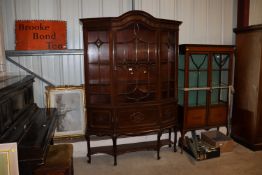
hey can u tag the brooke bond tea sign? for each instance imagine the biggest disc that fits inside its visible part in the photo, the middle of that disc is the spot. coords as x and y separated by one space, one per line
40 35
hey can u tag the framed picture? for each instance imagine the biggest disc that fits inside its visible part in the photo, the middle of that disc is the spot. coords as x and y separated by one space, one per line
8 159
70 103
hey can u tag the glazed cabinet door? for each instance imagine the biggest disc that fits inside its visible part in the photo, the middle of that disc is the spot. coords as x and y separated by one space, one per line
135 64
97 68
168 64
221 80
195 88
98 81
168 76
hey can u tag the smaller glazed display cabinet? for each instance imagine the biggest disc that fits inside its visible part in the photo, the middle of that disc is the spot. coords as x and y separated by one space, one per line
204 86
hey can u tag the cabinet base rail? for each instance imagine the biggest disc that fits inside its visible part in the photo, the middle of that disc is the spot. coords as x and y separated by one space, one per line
115 150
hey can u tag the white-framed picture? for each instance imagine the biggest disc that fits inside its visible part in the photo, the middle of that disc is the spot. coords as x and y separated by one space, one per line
70 104
8 159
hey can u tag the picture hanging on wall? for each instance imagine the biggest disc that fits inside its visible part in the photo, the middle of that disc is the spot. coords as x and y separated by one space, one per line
70 104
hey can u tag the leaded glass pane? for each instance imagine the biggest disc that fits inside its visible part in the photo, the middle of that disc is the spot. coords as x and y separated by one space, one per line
198 79
197 98
220 61
198 62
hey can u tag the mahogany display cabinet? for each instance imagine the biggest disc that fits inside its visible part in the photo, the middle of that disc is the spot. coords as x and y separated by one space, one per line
247 108
130 66
204 86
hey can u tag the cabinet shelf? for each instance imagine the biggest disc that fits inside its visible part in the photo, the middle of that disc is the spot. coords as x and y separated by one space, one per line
147 92
131 63
99 93
134 82
98 82
99 63
125 148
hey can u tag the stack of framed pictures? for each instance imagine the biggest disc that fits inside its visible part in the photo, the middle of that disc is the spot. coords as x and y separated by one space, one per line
70 103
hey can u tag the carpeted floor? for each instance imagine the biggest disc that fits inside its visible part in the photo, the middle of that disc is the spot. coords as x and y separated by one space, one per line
240 161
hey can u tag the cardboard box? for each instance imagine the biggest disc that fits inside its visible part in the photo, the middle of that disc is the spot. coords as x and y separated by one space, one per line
218 139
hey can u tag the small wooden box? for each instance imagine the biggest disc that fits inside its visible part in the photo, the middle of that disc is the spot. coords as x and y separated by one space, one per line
218 139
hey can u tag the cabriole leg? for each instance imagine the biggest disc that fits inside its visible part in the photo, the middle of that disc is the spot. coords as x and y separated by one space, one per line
175 139
182 141
88 148
169 137
115 150
158 144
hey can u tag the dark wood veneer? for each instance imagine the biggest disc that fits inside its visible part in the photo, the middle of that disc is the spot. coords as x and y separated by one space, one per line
130 78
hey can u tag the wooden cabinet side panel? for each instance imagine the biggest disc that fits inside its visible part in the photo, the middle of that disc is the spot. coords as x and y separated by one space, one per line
247 72
247 76
259 115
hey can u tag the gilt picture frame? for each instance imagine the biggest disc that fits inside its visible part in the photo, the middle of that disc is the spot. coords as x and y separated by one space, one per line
70 104
8 159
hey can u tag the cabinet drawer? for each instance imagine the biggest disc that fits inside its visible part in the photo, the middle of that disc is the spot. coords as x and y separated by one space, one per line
217 115
137 118
196 117
100 119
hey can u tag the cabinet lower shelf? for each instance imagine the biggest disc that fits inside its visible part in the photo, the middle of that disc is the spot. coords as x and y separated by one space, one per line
133 147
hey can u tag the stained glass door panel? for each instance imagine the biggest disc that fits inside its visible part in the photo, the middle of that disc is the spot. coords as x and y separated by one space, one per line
197 79
135 63
98 68
220 78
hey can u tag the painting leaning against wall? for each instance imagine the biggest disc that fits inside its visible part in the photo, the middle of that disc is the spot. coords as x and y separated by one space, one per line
70 104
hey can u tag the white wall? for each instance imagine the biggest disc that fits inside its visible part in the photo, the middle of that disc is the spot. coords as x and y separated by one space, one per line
255 12
204 21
